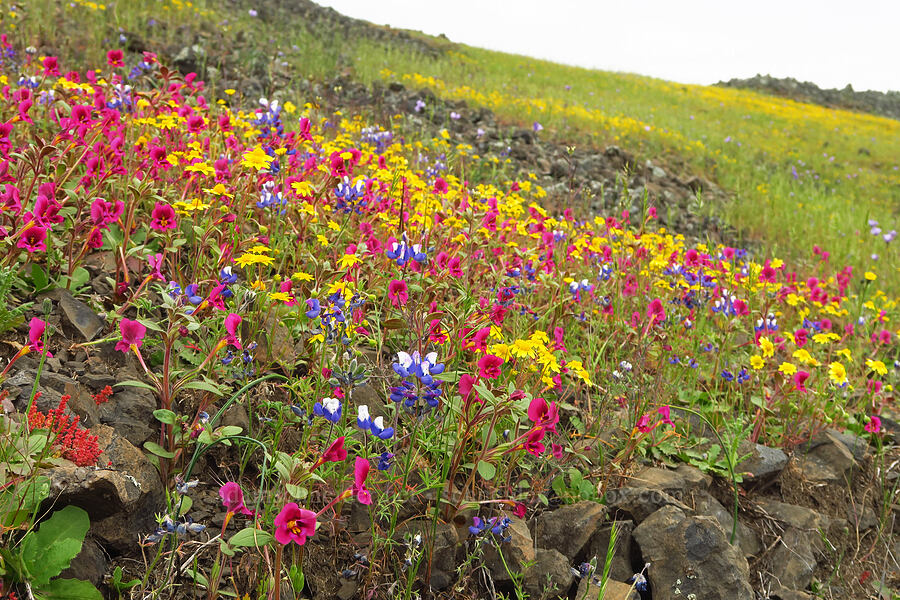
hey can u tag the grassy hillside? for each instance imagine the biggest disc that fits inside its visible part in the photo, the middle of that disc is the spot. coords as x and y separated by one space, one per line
801 175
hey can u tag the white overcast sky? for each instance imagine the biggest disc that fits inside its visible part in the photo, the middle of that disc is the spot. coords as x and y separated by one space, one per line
829 42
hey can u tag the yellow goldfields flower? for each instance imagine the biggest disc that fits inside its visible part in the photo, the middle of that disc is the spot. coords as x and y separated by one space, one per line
877 366
302 188
257 159
767 347
302 276
837 373
348 260
787 368
804 356
757 362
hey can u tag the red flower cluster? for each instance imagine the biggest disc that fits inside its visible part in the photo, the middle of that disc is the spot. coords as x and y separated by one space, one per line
102 397
74 443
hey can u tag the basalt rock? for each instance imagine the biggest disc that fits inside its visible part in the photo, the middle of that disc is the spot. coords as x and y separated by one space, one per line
690 557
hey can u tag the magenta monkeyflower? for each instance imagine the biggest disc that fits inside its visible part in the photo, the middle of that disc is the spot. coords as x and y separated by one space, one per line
666 415
397 292
360 472
132 335
800 378
163 217
543 415
643 424
233 499
874 424
114 58
336 451
36 335
489 366
533 443
656 312
33 239
231 323
294 524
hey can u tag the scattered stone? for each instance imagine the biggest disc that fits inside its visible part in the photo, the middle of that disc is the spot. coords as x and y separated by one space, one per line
793 561
620 567
80 315
679 483
120 499
705 504
825 459
348 590
89 565
862 518
569 528
550 577
763 464
615 590
518 551
443 549
130 410
690 557
799 517
786 594
640 502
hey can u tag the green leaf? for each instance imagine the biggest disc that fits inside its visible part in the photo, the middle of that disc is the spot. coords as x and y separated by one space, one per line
297 492
164 415
186 504
39 278
154 448
17 504
135 383
228 431
486 470
49 550
68 589
251 537
205 386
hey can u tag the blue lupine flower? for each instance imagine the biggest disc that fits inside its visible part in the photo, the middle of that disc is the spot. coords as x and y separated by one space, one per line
374 426
228 276
328 408
315 308
727 375
402 252
477 526
743 376
191 293
384 461
362 419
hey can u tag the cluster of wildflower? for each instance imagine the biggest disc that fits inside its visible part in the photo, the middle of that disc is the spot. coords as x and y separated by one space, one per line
374 426
73 442
268 119
182 528
401 252
245 368
378 137
496 525
887 236
350 197
269 197
333 316
102 397
423 385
